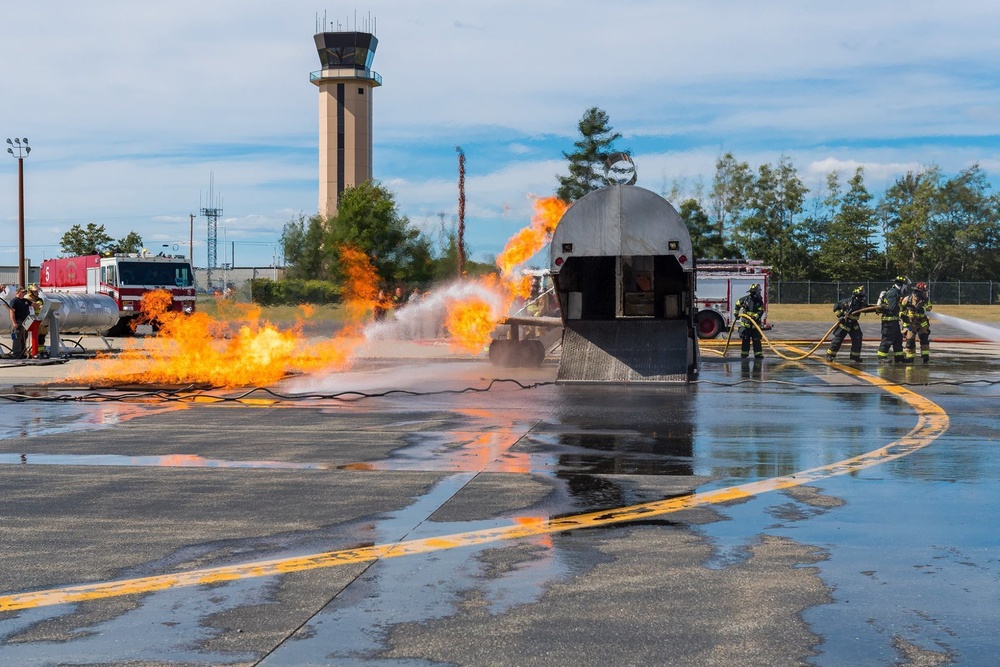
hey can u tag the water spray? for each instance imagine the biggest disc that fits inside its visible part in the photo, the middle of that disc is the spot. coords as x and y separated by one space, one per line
984 331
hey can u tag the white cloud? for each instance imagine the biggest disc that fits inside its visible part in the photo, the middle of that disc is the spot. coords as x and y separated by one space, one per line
130 105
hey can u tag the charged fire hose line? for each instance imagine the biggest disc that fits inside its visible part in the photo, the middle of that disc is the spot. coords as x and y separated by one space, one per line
778 352
192 393
726 348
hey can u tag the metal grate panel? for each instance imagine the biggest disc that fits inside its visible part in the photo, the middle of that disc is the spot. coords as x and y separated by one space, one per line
624 351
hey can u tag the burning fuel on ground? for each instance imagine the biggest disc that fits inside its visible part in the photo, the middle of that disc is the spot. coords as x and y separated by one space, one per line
240 348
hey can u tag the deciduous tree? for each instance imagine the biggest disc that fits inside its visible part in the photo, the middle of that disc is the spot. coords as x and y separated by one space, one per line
706 241
90 241
910 205
770 231
848 250
367 219
730 189
129 243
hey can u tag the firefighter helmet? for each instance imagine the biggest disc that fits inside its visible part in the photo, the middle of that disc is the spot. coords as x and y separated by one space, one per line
754 289
859 291
901 280
922 286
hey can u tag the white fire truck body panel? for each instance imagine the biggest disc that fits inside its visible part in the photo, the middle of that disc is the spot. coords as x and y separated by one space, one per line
720 284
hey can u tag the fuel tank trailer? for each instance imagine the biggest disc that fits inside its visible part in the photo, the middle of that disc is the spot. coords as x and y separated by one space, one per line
623 269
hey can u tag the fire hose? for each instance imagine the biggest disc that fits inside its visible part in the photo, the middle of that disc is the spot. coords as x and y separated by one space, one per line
778 352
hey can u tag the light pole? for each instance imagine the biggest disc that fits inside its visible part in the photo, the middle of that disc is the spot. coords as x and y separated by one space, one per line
22 152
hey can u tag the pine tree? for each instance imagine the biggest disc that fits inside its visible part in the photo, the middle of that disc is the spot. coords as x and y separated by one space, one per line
586 163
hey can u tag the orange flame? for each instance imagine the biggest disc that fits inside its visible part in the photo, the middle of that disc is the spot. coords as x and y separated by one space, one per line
152 306
246 351
525 243
471 321
360 292
198 349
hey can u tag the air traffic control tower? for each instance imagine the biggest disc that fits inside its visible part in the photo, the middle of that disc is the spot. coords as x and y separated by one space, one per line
345 112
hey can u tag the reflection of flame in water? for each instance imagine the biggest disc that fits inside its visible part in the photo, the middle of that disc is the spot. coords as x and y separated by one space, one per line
164 461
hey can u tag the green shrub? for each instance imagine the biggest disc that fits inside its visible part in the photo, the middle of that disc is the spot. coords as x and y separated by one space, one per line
267 292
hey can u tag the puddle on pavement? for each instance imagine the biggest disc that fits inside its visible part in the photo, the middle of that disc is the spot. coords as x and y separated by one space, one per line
32 419
355 625
729 434
164 461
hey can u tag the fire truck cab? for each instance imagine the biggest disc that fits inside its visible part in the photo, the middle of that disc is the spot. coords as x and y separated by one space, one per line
720 284
125 278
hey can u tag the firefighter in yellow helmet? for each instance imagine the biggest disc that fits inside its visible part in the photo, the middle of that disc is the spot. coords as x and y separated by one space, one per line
888 307
36 306
847 311
751 307
34 297
913 315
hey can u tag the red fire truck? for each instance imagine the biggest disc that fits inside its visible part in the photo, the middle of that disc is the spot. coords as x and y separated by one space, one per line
720 284
125 278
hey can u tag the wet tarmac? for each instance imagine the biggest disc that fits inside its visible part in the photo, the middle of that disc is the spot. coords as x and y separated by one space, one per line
774 513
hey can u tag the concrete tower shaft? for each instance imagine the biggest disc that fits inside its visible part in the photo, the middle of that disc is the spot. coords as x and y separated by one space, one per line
345 112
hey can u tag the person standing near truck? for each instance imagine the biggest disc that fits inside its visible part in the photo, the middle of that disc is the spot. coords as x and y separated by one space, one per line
747 317
20 309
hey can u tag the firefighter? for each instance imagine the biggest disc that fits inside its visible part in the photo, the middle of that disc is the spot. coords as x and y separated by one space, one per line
751 307
913 314
846 311
38 342
888 308
20 309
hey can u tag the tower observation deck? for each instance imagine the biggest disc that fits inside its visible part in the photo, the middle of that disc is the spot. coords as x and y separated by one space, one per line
345 112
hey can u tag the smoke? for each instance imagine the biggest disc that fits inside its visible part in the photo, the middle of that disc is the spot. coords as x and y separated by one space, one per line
420 318
975 328
424 317
425 376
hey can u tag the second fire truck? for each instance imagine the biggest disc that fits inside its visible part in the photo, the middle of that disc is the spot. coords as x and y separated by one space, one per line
720 284
125 278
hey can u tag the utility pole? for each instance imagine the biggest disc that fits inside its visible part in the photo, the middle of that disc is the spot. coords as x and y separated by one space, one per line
461 211
22 152
191 242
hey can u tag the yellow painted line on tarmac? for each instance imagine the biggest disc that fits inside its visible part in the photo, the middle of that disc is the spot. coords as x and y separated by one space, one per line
932 422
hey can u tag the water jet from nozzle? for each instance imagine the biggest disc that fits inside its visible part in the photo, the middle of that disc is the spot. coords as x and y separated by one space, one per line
984 331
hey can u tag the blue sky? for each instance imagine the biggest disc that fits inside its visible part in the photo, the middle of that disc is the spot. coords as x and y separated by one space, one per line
131 106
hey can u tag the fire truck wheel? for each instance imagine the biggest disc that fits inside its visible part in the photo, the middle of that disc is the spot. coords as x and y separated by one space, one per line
531 353
710 324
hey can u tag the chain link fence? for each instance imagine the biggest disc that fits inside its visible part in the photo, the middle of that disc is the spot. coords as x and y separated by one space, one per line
951 293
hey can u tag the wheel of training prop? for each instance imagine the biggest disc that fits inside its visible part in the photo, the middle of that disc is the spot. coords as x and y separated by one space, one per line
502 352
531 353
